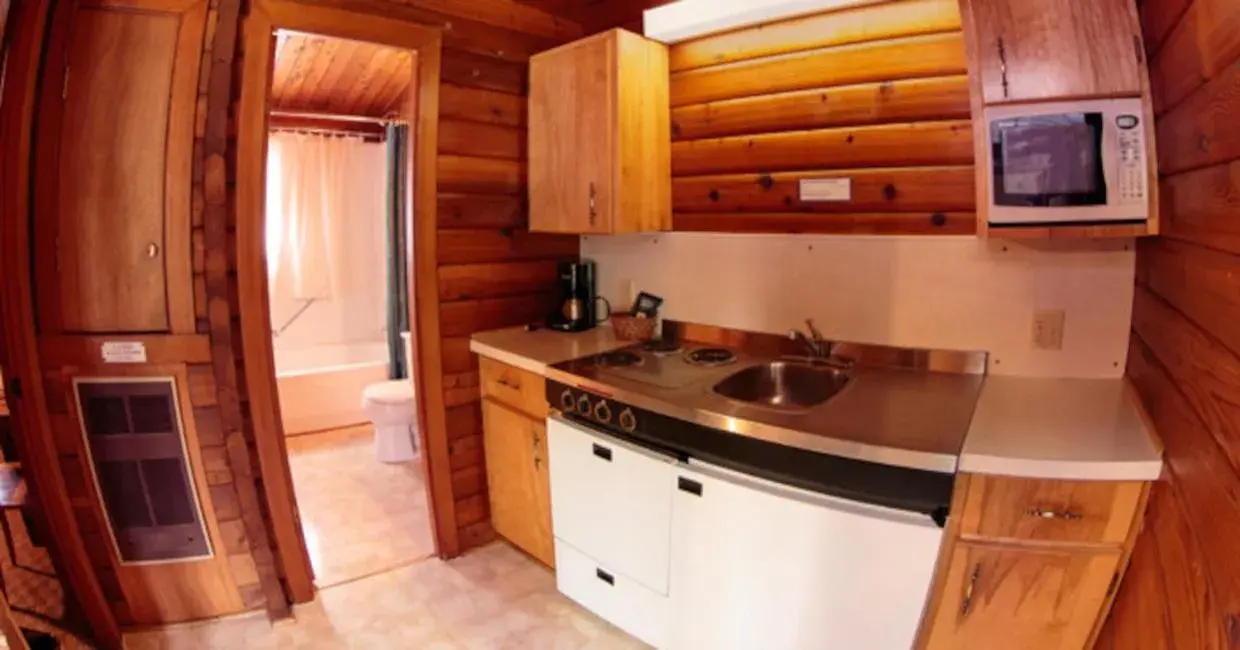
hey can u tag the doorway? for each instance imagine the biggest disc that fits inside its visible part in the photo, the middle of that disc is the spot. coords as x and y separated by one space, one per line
338 256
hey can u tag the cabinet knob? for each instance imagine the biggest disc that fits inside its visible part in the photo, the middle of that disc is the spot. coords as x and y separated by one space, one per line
966 605
152 250
593 204
602 452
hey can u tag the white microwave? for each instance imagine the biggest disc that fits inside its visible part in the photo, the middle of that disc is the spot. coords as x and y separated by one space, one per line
1067 162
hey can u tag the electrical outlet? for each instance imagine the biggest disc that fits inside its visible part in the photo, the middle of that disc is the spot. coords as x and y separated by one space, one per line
1048 329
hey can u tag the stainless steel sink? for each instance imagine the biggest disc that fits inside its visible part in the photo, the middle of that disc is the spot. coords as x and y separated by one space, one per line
784 384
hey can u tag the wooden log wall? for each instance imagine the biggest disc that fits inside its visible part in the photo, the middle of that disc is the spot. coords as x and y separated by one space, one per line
876 93
1182 589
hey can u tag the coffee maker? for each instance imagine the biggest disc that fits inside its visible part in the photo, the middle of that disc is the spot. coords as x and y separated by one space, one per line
577 308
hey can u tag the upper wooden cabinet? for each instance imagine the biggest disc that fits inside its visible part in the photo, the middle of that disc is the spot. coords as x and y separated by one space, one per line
600 136
1047 49
115 163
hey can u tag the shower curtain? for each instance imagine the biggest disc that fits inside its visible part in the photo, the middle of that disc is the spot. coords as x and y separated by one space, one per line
398 229
325 238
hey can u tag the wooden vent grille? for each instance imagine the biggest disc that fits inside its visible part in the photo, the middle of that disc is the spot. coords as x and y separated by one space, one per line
136 447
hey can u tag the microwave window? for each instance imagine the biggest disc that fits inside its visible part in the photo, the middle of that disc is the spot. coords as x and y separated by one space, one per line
1049 160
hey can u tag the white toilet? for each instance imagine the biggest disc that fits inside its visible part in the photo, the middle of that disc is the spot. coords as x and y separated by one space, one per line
390 406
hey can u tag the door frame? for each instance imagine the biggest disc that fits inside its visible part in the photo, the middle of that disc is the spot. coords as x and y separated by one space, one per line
254 311
34 437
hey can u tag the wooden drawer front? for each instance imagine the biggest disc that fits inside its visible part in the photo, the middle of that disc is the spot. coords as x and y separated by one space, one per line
612 596
520 389
1048 510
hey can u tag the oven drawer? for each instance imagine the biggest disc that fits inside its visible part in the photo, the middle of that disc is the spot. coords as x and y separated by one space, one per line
612 501
1087 512
612 595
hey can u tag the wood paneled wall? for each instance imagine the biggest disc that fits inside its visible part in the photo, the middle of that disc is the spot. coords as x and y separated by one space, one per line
492 271
876 93
1183 587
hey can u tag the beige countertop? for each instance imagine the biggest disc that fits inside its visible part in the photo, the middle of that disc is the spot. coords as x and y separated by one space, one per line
1086 429
534 351
1069 429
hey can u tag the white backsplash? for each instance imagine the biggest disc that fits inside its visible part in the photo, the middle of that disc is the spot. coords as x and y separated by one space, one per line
938 292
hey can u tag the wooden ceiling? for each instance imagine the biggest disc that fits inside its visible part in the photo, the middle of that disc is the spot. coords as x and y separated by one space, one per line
332 75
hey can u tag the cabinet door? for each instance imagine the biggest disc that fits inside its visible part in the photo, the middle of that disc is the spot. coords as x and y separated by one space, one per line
759 565
1045 49
1021 598
115 146
572 137
512 443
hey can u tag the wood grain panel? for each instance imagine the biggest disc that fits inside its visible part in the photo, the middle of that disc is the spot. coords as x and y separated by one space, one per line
1007 508
1203 284
1202 130
472 246
919 56
457 211
467 174
461 389
1202 45
914 189
1201 207
874 103
871 223
843 27
469 281
339 76
456 357
898 145
476 71
1158 17
469 316
481 105
481 140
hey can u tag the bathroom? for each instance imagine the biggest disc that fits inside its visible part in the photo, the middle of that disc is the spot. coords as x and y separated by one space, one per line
338 258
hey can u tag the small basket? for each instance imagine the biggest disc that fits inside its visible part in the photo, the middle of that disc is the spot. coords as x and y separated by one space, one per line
631 328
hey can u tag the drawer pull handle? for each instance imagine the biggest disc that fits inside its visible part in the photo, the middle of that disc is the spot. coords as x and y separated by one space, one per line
509 384
1052 514
966 605
602 452
689 485
605 577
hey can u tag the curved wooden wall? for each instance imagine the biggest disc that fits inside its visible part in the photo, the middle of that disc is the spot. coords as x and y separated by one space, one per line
1182 589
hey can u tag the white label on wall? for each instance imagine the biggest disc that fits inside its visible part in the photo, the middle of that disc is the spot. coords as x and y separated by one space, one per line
826 189
124 352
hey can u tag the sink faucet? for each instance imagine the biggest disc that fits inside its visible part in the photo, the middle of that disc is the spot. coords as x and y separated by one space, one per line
818 346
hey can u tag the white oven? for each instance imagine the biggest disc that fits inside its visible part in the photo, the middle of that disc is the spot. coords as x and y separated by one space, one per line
1067 162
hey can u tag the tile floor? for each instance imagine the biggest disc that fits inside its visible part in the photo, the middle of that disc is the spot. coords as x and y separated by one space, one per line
493 598
360 516
35 593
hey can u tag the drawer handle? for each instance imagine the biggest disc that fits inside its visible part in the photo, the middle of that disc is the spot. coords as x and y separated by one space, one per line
515 385
602 452
1052 514
689 485
605 577
966 605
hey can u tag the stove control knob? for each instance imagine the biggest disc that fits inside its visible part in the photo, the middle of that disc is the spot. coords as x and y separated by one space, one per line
602 412
628 421
583 405
567 402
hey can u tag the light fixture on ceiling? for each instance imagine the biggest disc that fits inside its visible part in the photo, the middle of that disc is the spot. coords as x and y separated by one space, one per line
688 19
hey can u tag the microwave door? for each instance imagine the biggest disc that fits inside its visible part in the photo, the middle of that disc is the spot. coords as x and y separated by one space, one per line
1047 167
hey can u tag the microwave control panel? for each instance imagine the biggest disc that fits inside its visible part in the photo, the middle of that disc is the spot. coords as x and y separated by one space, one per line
1132 171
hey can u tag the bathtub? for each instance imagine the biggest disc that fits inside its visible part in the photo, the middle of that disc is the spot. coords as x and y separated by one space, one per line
321 387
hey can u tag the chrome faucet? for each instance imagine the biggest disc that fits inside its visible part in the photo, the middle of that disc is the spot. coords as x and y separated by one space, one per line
818 346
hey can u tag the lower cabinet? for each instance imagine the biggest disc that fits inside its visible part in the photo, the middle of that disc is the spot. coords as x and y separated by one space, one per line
1031 599
517 478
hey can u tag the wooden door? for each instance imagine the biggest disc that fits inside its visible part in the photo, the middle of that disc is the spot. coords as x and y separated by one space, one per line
1030 599
572 137
1046 49
512 444
112 211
